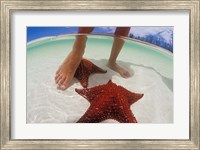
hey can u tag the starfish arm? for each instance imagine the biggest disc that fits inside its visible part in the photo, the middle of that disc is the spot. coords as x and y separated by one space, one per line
92 67
120 109
96 69
131 96
91 93
84 80
98 111
92 115
87 94
125 117
84 70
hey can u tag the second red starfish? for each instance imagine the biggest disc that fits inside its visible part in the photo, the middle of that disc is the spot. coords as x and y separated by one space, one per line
108 101
85 69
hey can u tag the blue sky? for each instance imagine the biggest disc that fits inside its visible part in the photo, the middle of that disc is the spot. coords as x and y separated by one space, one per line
39 32
139 32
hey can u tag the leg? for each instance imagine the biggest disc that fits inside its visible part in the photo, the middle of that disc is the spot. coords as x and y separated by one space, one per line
116 48
67 69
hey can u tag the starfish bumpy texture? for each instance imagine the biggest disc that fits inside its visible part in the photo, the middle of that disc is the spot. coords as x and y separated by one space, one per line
84 70
108 101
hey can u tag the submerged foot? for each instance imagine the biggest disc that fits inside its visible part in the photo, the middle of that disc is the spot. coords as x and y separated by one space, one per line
115 67
66 71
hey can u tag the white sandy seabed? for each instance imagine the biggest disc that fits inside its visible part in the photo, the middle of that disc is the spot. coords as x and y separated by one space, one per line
47 104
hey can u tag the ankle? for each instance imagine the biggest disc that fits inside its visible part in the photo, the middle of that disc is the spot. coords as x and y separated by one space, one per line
111 62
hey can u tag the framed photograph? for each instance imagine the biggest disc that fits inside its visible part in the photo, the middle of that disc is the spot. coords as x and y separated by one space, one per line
99 74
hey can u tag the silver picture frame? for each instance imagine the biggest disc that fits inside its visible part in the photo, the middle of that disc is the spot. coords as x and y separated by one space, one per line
8 6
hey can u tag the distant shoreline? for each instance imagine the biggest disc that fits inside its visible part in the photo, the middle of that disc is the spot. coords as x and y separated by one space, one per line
108 35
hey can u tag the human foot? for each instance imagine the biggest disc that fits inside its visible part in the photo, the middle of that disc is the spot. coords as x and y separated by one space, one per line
66 71
115 67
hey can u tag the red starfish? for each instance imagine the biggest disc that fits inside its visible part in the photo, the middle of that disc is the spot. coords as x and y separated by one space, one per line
84 70
108 101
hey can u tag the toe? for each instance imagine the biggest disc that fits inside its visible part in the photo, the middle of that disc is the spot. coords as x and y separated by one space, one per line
123 75
61 80
127 74
65 84
58 78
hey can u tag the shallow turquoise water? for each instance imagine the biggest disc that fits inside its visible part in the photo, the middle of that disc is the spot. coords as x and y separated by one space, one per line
152 70
99 47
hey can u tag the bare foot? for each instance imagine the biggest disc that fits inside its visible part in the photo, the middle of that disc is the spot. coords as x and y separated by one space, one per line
66 71
114 66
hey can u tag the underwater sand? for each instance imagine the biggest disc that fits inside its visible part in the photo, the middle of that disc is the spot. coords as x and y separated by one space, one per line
151 69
